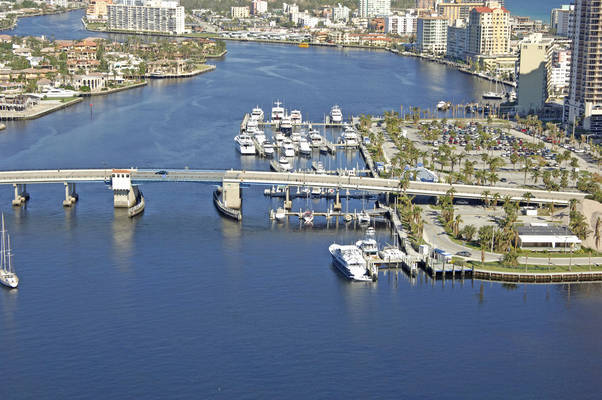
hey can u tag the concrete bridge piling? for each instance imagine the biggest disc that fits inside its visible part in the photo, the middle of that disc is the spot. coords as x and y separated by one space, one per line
21 195
71 196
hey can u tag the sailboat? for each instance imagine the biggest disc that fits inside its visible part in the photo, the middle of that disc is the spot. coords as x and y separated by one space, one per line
498 94
7 272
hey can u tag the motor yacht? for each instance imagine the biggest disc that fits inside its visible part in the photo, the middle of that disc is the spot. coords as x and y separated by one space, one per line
336 116
245 144
277 111
350 261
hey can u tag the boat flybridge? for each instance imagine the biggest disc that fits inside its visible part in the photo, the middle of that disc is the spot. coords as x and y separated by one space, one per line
277 111
336 115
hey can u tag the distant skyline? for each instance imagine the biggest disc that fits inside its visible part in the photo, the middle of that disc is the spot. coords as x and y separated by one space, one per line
536 9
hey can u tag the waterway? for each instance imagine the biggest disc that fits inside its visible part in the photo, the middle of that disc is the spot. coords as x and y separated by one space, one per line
182 303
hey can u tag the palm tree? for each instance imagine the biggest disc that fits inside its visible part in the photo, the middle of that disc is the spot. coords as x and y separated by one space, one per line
485 237
535 175
496 198
526 167
597 232
457 225
485 195
528 196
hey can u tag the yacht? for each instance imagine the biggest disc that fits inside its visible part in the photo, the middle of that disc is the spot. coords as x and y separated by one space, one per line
286 125
288 148
295 137
60 93
260 136
497 94
336 115
316 138
304 147
296 118
279 137
245 144
368 245
277 111
350 261
257 114
268 148
391 254
443 105
349 138
363 217
280 214
284 164
7 271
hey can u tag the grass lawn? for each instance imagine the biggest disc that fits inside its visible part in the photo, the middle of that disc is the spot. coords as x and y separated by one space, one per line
541 269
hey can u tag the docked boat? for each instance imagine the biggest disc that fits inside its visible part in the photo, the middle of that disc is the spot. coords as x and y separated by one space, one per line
252 124
295 137
318 166
497 94
259 136
391 254
245 144
277 111
443 105
268 149
8 277
308 217
286 125
336 116
257 114
349 138
368 245
279 138
363 217
59 93
296 117
316 138
280 214
304 147
282 165
350 261
316 192
288 148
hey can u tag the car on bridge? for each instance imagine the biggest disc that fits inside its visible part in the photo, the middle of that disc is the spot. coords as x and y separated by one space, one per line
162 172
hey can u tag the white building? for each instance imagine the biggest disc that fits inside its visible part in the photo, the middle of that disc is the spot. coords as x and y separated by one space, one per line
561 19
374 8
401 24
154 16
559 71
340 13
239 12
259 7
431 35
307 20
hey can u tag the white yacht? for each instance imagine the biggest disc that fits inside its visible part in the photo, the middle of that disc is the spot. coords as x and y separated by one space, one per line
336 116
245 144
350 261
304 147
296 117
280 214
368 245
315 137
7 271
60 93
284 164
295 137
252 124
260 136
349 138
286 125
288 148
277 111
257 114
279 137
268 148
363 217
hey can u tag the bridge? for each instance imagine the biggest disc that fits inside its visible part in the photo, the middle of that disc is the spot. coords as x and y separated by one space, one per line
125 192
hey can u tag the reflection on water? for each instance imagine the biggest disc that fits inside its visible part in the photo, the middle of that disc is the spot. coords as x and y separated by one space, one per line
123 231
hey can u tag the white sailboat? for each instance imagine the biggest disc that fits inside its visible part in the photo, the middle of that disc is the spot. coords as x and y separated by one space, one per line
7 271
498 94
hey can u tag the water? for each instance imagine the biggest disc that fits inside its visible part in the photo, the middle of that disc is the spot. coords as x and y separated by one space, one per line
181 303
536 9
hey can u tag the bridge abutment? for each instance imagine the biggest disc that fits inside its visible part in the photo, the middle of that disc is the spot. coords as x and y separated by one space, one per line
231 195
21 195
123 192
71 196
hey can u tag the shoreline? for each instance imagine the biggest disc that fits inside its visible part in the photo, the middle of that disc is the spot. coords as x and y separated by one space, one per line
206 68
114 90
39 14
30 114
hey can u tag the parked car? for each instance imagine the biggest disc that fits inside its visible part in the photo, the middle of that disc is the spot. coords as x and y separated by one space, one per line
464 253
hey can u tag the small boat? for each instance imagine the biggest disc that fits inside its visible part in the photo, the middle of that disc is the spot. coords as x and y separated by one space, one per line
279 137
443 105
280 214
363 217
391 254
308 217
257 114
336 116
296 117
323 149
318 166
304 147
245 144
348 217
304 45
277 111
8 277
282 165
286 125
368 245
497 94
315 137
316 192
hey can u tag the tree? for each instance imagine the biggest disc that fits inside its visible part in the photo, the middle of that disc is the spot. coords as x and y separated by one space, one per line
528 196
485 195
468 232
485 238
597 232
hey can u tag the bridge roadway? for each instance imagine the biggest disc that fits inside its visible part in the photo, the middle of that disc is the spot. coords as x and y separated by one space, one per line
283 178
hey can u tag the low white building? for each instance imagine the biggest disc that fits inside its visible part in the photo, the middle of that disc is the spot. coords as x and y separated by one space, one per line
543 237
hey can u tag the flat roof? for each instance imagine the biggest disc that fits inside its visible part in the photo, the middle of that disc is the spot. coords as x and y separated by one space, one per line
544 230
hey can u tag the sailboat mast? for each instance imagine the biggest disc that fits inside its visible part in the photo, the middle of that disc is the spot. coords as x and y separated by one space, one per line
9 267
3 248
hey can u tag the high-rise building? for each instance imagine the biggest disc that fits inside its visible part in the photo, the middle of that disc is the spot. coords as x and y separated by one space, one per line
154 16
426 4
340 13
97 10
560 19
559 72
401 24
240 12
584 103
374 8
458 10
431 35
489 30
259 7
457 40
534 56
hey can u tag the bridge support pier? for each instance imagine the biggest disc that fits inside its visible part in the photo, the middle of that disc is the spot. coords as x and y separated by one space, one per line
337 202
231 195
21 195
123 192
288 204
71 196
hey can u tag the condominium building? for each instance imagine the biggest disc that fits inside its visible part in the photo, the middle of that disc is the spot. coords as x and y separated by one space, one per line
374 8
401 24
559 70
457 40
340 13
560 19
457 10
239 12
426 4
534 55
584 103
489 30
259 7
154 16
97 10
431 35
